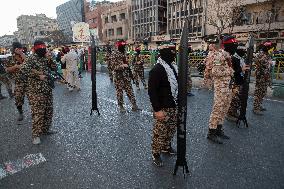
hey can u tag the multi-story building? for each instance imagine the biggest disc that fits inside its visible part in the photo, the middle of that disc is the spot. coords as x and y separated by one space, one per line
115 22
148 18
6 40
68 14
93 17
264 18
39 26
178 11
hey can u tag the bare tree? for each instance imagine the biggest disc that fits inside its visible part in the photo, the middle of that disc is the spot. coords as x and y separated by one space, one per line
224 14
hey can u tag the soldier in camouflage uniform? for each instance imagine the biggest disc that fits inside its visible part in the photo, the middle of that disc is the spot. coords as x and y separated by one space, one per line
138 68
218 67
39 91
122 78
13 67
5 80
263 77
108 62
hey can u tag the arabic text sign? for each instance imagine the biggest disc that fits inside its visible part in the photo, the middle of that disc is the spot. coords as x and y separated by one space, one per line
81 32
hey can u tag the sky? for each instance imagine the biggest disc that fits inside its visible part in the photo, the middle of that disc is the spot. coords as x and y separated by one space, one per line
11 9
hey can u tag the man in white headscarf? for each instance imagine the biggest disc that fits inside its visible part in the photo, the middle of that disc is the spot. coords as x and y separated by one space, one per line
72 60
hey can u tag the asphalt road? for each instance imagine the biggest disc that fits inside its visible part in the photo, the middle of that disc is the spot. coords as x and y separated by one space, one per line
114 150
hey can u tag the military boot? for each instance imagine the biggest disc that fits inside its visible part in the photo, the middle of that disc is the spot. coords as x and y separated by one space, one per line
157 160
135 108
122 109
257 112
20 111
220 132
213 137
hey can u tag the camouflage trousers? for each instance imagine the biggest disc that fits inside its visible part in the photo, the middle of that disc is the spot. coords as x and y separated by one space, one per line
259 93
42 112
222 99
124 84
163 131
20 90
6 81
236 102
110 73
139 76
189 84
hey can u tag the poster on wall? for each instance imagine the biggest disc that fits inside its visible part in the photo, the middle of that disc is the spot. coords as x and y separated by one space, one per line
81 32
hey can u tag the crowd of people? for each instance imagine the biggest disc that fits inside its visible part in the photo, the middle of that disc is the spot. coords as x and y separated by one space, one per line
224 71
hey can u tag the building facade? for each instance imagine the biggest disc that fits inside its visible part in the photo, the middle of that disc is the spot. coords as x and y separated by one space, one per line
178 11
263 18
93 17
148 18
38 27
115 25
7 40
69 13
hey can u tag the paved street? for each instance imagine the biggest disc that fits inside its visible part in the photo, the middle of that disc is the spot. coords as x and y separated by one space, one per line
114 150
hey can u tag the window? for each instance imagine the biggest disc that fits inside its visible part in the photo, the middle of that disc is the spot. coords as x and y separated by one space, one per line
119 31
122 16
113 19
106 19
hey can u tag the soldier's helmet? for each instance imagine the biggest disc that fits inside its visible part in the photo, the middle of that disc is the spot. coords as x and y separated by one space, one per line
265 46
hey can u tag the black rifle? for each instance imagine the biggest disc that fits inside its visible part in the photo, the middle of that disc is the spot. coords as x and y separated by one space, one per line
245 87
182 101
93 77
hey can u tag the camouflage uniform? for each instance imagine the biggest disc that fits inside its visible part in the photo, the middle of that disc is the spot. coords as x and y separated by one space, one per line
221 74
122 79
20 83
189 81
138 69
263 79
164 130
39 93
108 62
5 80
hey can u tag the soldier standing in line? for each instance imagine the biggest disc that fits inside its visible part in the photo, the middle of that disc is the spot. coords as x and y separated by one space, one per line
262 76
122 78
109 62
219 65
239 66
37 72
14 64
5 80
163 89
138 68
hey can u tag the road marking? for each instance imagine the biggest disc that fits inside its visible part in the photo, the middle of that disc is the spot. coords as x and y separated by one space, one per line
127 106
12 167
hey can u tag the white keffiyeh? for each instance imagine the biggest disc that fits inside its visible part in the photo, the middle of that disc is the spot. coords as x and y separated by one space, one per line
171 77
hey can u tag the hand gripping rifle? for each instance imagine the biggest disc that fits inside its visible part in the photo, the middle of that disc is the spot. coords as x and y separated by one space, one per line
182 101
245 87
93 77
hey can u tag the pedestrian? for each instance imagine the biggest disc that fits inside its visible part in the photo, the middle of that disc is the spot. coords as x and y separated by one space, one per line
122 79
263 77
219 66
138 69
109 62
162 90
64 50
72 59
13 67
36 71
